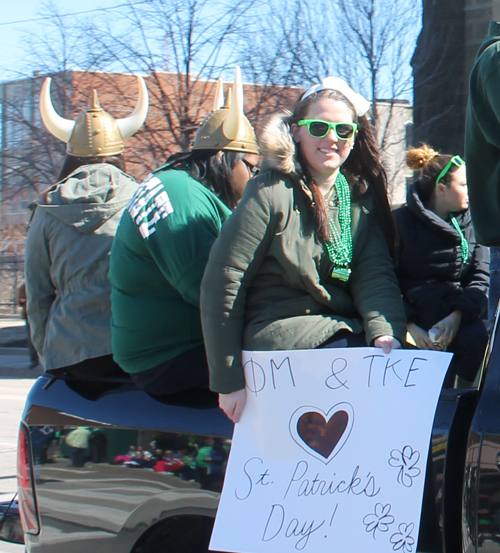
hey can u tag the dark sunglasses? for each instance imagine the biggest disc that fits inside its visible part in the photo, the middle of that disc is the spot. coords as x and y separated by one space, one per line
319 129
254 170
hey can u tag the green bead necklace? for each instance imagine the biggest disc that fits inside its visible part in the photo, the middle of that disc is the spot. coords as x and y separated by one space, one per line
339 245
463 241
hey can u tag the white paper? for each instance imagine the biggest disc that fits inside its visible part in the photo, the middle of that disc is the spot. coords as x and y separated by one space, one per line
331 451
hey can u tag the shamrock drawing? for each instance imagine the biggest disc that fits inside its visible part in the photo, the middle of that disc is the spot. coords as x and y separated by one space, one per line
403 540
381 519
405 460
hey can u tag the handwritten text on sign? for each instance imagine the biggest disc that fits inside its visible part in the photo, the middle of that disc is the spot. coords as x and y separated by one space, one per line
331 451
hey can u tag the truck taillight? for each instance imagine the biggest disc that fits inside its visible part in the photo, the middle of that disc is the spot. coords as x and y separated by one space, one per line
28 509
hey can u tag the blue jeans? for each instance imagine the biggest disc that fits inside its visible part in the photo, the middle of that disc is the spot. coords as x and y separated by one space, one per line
494 292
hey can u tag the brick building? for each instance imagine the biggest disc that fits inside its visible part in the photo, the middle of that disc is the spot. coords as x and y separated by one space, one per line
30 158
395 134
451 35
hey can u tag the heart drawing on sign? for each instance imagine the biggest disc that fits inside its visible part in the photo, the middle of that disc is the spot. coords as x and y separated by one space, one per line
321 434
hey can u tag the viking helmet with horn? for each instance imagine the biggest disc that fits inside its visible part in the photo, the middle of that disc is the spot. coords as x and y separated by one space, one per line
226 127
95 133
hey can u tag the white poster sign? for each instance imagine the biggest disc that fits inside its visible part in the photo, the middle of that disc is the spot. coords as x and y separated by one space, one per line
330 453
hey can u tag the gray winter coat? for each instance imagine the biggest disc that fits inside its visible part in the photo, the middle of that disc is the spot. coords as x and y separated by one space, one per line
67 262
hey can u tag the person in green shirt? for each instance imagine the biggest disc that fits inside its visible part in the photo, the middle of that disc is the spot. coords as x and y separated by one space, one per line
162 245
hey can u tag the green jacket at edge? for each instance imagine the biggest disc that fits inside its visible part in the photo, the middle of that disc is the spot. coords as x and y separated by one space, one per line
482 140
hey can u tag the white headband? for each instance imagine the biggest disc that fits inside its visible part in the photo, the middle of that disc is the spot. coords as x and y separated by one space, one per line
361 105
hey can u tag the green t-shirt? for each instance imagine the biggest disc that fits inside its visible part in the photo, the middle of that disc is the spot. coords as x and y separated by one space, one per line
157 262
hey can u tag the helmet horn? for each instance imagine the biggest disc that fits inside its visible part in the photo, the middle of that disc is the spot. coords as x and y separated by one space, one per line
60 127
234 119
131 124
219 95
229 95
95 104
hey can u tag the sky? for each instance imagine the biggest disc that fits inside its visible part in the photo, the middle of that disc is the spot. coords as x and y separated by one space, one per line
16 17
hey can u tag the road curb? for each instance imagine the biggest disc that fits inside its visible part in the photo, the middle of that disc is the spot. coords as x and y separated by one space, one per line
14 351
16 372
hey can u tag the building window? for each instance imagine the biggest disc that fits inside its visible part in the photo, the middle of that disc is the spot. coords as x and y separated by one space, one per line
17 113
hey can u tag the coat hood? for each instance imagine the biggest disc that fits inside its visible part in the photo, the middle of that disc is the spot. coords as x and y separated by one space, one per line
88 197
278 146
430 219
492 37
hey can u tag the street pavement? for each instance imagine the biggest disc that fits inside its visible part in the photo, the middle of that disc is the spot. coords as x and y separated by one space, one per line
16 380
13 392
14 356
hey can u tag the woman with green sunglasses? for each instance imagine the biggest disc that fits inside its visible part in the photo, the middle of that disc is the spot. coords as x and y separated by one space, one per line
304 261
442 271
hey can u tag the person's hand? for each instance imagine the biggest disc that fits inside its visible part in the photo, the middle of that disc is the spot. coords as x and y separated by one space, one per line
447 328
387 343
421 337
232 404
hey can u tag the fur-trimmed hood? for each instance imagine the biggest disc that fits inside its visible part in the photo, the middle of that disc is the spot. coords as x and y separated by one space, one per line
278 146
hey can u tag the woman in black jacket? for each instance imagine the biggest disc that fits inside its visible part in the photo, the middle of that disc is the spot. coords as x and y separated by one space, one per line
442 271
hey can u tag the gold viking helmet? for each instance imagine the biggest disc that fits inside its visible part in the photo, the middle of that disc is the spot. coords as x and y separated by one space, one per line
226 127
95 133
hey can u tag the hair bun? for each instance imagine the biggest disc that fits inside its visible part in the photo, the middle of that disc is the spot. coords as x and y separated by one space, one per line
418 158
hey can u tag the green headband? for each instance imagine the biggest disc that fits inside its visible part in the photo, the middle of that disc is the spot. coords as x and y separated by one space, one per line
455 160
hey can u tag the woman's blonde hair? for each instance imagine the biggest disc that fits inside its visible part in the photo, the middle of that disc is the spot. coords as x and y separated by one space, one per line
418 158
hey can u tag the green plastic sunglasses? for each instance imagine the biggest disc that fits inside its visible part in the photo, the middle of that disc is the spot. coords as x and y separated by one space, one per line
319 129
455 160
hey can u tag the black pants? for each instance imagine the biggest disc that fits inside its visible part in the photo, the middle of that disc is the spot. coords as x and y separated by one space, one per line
90 369
345 339
186 371
468 348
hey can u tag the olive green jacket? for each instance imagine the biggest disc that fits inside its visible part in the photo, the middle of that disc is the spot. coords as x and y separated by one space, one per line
268 284
67 263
